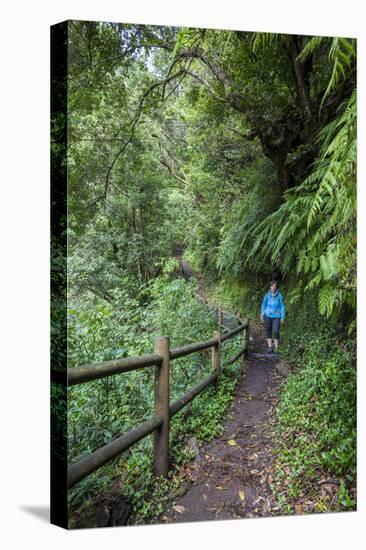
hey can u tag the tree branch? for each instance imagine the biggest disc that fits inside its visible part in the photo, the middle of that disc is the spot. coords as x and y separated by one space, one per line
173 174
300 76
133 128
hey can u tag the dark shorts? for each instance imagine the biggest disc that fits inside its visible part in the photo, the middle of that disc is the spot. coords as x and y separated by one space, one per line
272 327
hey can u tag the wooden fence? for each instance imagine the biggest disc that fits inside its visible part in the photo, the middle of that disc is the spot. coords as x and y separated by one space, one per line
163 410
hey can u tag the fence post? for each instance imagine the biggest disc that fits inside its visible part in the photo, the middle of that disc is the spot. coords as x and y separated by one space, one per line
216 351
220 316
161 407
246 339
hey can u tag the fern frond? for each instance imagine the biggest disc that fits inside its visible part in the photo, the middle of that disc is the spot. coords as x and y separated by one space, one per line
342 54
314 230
263 40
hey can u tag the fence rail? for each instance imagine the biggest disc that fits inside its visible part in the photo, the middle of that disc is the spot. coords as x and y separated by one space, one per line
163 410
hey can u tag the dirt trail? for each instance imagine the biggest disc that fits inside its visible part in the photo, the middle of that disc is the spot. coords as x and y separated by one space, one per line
187 272
230 476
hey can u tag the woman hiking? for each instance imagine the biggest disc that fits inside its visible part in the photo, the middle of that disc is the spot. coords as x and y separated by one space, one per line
273 312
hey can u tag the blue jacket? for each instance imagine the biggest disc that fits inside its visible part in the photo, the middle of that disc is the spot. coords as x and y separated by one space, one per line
273 305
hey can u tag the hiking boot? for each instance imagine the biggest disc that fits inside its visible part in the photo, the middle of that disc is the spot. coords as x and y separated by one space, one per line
270 350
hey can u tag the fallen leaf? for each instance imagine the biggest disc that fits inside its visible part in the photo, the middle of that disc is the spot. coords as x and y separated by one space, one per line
178 508
225 479
242 495
220 508
204 497
232 442
266 507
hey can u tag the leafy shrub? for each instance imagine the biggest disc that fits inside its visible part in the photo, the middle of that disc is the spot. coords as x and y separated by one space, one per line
101 410
240 294
317 411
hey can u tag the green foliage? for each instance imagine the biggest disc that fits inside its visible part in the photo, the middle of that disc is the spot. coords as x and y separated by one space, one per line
149 495
317 411
98 411
178 300
263 40
313 232
196 140
255 202
342 54
240 294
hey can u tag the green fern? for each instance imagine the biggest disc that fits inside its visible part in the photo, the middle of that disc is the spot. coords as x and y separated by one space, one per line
313 233
263 40
342 56
327 299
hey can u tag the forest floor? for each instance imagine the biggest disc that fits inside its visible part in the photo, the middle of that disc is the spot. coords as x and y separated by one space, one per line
231 475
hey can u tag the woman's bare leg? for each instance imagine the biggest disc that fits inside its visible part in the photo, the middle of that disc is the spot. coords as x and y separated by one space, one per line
269 342
276 344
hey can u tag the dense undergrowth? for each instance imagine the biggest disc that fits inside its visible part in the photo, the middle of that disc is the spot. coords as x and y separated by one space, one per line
99 411
317 414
